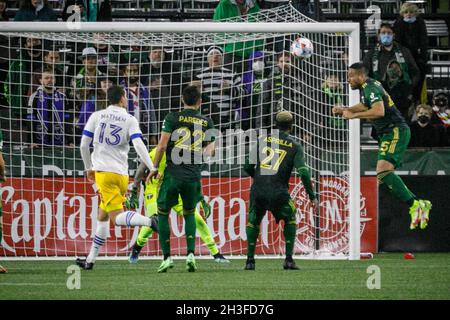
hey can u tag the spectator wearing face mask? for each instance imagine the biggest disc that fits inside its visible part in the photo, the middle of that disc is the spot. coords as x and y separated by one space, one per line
398 88
411 32
423 133
378 59
441 110
253 81
35 10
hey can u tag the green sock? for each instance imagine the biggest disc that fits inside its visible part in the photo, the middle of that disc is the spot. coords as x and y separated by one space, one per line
289 231
143 236
252 237
164 233
396 186
189 220
205 233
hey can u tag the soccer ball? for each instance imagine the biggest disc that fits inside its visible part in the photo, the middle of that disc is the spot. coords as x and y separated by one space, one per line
302 48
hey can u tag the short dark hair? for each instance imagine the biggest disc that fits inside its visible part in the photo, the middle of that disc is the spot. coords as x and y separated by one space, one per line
191 95
359 66
386 25
283 54
47 69
115 94
284 120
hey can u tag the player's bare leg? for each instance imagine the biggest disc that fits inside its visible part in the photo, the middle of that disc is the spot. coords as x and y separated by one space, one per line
119 218
101 233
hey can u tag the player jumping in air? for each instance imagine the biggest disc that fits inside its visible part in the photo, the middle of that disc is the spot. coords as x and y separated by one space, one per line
111 131
186 135
275 155
150 195
2 179
394 135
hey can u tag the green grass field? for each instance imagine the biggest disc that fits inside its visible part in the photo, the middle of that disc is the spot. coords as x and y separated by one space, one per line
426 277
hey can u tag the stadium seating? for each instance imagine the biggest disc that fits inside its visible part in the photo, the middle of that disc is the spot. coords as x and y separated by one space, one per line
125 4
200 6
438 77
275 3
436 30
386 6
165 5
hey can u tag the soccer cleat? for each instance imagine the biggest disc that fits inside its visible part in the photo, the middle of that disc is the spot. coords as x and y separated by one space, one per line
250 264
425 207
154 223
3 269
166 264
191 266
134 256
290 265
414 212
83 264
219 258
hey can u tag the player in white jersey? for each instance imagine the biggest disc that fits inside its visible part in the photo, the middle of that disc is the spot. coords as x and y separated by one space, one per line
111 131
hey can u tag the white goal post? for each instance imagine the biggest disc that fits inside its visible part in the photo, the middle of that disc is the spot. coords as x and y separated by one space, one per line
61 30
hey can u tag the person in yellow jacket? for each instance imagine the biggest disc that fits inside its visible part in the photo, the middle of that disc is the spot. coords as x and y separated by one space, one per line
150 195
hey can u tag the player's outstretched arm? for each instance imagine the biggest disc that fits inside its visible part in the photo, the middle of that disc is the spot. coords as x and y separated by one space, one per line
250 160
139 176
303 172
376 111
160 150
85 152
357 108
210 150
142 151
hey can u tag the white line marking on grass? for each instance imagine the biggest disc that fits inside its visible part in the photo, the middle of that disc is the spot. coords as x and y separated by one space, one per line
29 284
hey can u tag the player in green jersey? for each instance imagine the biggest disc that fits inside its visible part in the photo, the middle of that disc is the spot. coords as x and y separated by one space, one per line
377 106
270 163
151 189
185 138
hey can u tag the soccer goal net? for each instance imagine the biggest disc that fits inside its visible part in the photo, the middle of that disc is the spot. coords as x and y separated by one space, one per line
55 75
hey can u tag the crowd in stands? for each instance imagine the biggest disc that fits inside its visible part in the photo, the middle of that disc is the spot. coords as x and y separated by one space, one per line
49 92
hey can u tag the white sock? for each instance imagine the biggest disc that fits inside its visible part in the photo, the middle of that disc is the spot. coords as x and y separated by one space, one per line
99 240
131 219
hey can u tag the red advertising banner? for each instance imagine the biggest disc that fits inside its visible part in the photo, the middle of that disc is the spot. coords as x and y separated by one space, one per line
57 217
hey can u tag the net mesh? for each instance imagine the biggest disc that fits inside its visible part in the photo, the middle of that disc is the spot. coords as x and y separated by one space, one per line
52 82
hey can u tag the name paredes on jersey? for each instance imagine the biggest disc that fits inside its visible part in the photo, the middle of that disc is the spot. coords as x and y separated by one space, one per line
193 120
113 117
